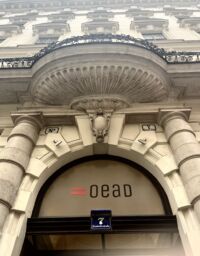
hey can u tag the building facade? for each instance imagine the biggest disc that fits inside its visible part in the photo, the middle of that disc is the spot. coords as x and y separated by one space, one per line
100 110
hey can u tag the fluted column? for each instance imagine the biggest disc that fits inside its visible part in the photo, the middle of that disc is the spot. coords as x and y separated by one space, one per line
14 158
186 151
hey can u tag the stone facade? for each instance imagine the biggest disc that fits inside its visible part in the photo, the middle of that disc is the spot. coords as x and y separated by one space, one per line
100 95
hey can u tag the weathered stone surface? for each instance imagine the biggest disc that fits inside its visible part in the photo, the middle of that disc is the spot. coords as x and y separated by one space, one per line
167 164
96 74
25 129
85 129
14 159
186 151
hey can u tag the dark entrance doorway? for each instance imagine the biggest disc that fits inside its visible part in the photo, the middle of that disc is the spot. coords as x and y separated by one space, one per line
148 235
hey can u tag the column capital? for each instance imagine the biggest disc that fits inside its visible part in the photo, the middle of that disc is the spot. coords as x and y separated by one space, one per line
34 118
167 114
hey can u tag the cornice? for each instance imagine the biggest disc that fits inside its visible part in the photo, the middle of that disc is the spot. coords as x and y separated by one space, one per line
137 114
167 114
35 118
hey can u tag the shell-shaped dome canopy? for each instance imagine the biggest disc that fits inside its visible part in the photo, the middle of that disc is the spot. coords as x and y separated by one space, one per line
115 71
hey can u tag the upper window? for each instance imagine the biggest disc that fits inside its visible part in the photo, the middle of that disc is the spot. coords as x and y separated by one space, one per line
100 26
192 23
51 29
147 25
46 40
154 36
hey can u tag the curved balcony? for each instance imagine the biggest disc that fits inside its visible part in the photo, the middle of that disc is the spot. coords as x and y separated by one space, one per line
113 70
115 74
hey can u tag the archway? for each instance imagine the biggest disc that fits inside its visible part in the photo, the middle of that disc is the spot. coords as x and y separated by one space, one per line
145 213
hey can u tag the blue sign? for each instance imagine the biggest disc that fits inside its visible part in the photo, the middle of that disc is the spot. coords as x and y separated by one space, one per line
101 220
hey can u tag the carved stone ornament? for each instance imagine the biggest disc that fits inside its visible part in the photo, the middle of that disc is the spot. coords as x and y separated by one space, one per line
105 102
100 122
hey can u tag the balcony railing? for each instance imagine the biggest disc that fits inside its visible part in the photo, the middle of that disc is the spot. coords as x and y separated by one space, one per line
170 57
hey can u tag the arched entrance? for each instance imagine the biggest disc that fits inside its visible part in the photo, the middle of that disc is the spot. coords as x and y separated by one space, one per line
142 221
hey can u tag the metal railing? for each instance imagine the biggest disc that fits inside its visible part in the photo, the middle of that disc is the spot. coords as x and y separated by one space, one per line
170 57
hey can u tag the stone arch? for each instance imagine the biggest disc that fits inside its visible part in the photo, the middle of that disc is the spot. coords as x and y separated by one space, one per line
49 179
155 171
39 170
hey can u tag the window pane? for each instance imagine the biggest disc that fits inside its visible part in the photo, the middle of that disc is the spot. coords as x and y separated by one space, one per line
132 244
155 36
46 40
101 184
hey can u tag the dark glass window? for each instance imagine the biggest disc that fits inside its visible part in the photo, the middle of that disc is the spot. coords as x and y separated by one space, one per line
46 40
154 36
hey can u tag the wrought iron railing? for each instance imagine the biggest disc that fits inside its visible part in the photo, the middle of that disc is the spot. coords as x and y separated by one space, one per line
170 57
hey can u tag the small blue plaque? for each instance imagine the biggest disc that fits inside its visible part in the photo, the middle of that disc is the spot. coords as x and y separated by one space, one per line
101 219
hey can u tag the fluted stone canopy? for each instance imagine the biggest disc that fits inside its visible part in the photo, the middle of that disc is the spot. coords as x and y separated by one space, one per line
82 75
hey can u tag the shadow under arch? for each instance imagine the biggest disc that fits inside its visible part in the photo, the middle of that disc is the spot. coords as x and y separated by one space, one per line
64 168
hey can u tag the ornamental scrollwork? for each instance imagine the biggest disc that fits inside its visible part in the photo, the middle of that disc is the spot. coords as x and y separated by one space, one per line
100 122
170 57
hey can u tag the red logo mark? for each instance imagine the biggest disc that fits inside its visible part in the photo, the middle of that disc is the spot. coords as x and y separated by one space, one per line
78 191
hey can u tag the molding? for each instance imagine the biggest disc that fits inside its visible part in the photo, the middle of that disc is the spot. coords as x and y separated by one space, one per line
178 11
191 22
100 14
58 116
149 25
58 28
107 25
137 12
63 16
8 205
35 118
106 74
106 102
173 113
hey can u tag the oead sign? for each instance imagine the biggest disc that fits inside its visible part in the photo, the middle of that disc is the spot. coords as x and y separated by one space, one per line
104 190
101 184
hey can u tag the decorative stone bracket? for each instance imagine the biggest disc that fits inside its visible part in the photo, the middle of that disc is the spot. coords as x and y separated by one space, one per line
100 122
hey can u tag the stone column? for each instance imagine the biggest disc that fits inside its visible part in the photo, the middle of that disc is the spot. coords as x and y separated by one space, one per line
186 150
14 158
